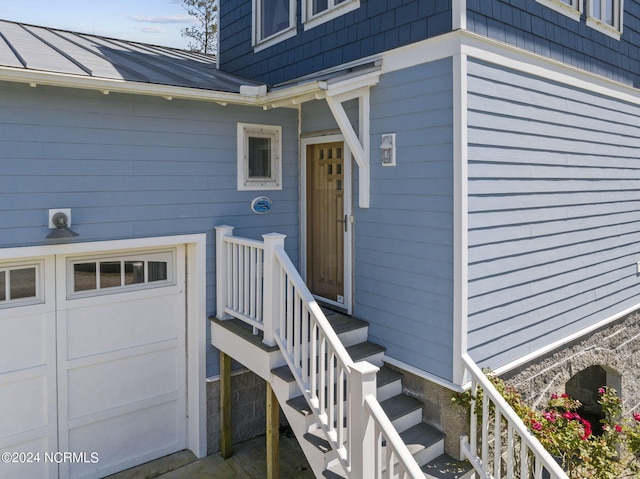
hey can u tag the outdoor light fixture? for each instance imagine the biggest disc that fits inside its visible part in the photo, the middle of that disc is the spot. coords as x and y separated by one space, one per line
59 222
388 148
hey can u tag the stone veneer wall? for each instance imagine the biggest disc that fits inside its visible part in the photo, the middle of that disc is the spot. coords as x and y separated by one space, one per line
439 411
615 347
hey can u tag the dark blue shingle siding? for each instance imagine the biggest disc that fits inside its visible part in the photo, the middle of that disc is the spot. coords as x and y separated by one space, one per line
377 26
534 27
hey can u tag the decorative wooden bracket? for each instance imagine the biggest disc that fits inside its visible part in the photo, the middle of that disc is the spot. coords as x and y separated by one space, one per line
358 144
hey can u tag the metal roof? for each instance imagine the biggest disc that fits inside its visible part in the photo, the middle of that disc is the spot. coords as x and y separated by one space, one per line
49 50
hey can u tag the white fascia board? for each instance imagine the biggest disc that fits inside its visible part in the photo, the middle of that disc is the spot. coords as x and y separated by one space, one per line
106 86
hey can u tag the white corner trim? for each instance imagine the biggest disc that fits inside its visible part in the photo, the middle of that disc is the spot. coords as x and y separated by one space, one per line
566 340
461 217
422 374
459 14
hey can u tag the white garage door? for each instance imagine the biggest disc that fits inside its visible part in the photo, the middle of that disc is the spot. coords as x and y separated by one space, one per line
92 363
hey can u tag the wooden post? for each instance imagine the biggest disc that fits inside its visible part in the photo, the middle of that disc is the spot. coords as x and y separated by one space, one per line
273 434
225 406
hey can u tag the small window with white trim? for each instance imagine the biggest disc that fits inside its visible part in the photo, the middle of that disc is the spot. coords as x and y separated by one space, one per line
20 284
107 274
273 21
606 16
570 8
259 157
316 12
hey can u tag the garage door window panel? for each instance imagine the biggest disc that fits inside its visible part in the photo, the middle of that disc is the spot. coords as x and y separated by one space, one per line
124 273
19 284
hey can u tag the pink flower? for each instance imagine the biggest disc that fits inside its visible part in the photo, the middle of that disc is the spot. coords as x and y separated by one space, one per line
601 391
587 428
618 428
554 396
565 395
551 417
536 425
569 415
636 416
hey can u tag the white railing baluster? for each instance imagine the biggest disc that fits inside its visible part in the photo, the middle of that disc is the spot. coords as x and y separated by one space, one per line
322 386
485 432
525 456
510 448
497 445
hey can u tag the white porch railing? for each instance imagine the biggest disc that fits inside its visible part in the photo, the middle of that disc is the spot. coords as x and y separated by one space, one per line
341 393
500 445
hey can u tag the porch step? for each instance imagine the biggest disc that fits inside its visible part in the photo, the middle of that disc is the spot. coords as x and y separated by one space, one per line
403 411
446 467
425 442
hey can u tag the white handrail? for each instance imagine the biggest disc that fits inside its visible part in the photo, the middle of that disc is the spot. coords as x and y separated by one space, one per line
406 465
335 387
490 462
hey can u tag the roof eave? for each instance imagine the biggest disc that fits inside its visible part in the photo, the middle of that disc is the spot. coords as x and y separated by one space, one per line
106 86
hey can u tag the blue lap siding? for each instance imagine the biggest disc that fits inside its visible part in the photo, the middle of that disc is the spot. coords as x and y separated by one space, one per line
132 166
404 241
554 191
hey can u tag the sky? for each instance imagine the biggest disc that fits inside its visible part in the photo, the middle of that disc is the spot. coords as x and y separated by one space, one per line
157 22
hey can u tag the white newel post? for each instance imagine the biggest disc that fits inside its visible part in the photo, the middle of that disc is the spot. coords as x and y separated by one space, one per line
272 292
362 384
222 272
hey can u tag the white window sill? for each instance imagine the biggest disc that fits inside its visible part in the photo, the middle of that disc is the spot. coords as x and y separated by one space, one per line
336 12
274 39
563 8
605 28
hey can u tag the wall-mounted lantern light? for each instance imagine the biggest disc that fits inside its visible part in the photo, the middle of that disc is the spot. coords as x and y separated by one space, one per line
388 149
59 221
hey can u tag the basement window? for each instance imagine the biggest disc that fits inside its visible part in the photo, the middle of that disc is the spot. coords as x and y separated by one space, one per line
259 157
570 8
605 16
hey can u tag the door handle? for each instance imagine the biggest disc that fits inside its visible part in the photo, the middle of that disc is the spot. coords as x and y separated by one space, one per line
344 221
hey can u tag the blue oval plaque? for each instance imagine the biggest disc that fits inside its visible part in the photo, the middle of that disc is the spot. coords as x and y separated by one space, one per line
261 205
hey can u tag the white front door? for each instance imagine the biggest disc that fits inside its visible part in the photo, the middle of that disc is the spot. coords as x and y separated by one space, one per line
101 355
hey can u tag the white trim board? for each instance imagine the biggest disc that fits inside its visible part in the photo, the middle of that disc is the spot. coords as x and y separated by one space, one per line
509 56
196 249
564 341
